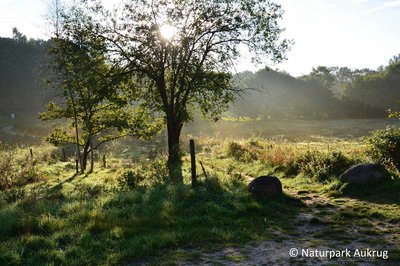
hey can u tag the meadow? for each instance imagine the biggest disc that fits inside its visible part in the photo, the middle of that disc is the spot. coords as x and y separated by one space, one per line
128 213
121 89
29 130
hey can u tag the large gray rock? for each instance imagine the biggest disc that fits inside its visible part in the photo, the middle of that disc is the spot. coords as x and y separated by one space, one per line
364 173
266 187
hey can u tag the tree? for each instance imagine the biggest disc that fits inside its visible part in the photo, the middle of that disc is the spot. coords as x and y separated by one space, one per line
182 53
394 60
18 36
54 15
322 76
376 88
343 76
94 101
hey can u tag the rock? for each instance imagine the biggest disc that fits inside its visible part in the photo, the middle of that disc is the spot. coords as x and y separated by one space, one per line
364 173
266 187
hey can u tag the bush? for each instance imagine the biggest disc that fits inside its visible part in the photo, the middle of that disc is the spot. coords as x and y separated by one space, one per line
385 147
6 169
14 172
13 194
242 152
8 257
322 166
235 150
130 179
146 174
17 168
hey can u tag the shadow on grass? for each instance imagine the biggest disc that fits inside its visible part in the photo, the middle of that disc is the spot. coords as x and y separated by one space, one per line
59 186
387 192
114 227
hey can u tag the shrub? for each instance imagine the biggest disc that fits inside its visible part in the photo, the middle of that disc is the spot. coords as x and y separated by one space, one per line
6 169
242 152
254 143
146 174
8 257
235 150
17 168
130 179
322 166
385 147
16 174
13 194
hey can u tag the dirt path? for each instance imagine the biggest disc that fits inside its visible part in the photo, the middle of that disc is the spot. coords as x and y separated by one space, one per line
314 230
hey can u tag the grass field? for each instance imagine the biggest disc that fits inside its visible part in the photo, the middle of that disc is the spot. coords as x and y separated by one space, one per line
30 131
49 215
290 129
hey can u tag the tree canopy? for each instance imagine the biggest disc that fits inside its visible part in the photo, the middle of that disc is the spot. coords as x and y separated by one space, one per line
191 66
94 98
380 89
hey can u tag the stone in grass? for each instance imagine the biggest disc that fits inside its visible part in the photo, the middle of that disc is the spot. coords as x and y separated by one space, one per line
266 187
364 173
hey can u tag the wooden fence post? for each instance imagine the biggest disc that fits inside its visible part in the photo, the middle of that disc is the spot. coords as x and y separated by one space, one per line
31 152
77 166
64 157
193 162
104 161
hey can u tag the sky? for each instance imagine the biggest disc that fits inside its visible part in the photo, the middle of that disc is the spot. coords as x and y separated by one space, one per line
353 33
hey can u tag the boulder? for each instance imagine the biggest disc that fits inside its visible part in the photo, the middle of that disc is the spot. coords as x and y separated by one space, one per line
364 173
266 187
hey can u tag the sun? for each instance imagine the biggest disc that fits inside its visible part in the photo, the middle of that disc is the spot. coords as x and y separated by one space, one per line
167 31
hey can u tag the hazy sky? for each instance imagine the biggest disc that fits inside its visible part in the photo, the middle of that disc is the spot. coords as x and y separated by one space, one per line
354 33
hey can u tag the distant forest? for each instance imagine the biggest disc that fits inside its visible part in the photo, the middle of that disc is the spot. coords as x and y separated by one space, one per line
325 93
21 86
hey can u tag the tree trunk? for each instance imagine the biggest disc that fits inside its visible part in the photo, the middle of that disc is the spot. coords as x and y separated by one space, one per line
78 150
174 156
85 155
91 157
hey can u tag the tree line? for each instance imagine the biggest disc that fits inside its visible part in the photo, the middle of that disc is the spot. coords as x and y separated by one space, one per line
21 90
352 93
324 93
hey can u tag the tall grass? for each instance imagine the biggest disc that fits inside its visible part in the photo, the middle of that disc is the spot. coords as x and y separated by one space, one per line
18 168
321 161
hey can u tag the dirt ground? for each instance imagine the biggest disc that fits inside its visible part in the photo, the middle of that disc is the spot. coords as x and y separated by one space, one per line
315 231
